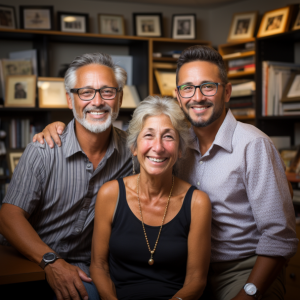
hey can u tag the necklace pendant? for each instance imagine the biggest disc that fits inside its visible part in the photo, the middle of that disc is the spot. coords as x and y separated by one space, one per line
151 261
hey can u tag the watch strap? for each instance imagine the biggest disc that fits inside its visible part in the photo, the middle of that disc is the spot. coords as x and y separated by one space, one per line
43 263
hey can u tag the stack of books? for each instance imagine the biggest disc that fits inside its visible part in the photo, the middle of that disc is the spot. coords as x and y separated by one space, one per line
246 64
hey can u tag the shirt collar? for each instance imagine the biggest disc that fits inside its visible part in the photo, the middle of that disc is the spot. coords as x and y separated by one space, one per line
72 145
223 137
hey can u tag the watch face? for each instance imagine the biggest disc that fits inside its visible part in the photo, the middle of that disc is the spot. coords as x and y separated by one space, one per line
250 289
49 257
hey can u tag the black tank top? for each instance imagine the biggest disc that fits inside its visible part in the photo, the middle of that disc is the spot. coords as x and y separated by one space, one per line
133 277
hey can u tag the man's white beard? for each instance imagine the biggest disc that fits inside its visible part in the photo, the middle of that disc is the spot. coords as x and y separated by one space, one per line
92 126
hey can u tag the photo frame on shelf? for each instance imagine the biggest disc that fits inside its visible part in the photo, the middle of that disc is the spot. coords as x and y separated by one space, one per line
20 91
130 97
147 24
52 93
166 81
292 90
111 24
13 158
184 26
8 18
36 17
72 22
275 21
242 26
296 25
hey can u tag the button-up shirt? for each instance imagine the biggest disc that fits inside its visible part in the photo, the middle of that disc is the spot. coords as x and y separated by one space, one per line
58 188
244 177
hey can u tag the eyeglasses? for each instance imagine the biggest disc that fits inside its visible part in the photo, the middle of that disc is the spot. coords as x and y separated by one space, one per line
207 89
88 94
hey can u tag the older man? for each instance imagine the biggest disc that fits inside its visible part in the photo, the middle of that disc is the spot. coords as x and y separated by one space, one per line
48 211
253 225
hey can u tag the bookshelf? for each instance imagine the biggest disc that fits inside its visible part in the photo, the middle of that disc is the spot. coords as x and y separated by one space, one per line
232 53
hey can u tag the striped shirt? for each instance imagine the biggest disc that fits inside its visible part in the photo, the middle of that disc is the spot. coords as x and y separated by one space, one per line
58 188
243 175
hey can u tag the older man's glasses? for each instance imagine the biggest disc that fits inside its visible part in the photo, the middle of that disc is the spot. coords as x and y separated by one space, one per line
207 89
88 94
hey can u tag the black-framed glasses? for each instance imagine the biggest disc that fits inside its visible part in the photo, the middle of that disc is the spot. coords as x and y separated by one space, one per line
206 88
88 94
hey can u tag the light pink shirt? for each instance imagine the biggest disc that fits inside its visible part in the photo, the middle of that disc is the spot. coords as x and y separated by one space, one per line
244 177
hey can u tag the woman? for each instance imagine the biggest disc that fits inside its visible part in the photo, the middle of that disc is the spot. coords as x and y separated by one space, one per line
152 230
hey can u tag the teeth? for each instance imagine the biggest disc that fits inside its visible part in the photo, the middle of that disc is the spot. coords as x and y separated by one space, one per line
157 160
199 108
97 112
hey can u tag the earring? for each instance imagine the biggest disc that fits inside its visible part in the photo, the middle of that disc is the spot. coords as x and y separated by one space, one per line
133 170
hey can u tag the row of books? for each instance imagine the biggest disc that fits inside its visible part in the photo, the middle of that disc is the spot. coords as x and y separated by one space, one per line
21 133
241 65
275 81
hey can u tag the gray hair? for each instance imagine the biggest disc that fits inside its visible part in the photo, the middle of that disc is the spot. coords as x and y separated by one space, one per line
155 106
93 58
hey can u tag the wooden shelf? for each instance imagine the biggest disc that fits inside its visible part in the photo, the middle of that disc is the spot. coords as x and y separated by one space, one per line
169 59
241 74
238 55
244 118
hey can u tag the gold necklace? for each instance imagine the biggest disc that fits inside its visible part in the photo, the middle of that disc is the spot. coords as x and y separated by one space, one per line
151 260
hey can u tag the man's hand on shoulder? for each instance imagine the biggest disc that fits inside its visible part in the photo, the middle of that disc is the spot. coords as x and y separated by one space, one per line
50 132
66 280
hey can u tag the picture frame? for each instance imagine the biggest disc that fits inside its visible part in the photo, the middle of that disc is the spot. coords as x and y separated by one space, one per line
242 26
8 18
36 17
111 24
13 157
20 91
130 97
296 25
275 21
51 92
292 90
166 81
72 22
184 26
147 24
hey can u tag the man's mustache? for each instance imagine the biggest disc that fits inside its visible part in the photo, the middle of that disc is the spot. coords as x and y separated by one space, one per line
203 102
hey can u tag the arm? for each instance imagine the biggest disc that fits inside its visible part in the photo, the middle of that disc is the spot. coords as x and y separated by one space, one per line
199 240
50 132
23 195
270 199
104 210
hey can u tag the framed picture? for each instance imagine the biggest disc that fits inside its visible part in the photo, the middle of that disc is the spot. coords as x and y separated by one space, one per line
72 22
111 24
242 26
13 158
296 25
20 91
275 21
36 17
292 90
52 92
184 26
147 24
166 81
7 17
130 97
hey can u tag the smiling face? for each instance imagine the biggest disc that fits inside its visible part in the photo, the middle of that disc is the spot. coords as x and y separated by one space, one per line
157 145
202 110
98 114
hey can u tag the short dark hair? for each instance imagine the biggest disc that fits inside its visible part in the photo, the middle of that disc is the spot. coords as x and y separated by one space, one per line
202 53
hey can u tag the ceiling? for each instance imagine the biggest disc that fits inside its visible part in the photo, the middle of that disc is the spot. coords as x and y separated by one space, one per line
186 3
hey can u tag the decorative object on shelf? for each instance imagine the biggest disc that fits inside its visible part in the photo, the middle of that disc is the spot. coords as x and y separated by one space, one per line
292 89
125 62
36 17
72 22
166 81
7 17
26 55
20 91
147 24
52 93
275 21
111 24
297 21
13 158
242 26
130 97
184 26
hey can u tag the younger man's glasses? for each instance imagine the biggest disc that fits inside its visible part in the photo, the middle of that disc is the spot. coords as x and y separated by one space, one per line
207 89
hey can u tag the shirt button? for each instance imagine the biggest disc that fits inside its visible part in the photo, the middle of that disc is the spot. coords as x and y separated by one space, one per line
201 162
88 166
198 183
77 230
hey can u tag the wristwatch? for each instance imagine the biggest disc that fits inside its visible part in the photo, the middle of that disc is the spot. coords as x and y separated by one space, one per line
48 258
251 290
